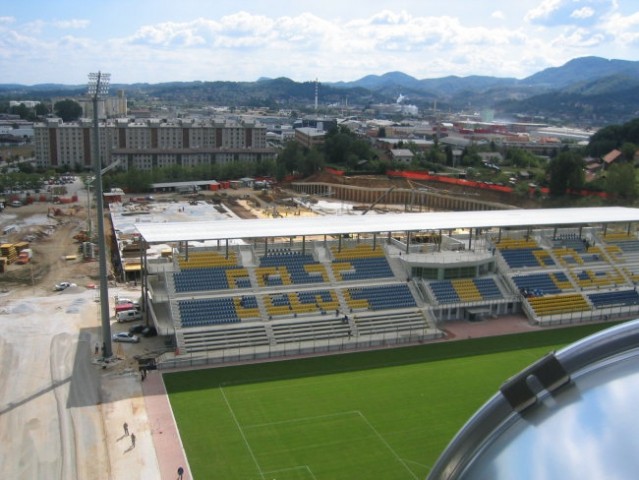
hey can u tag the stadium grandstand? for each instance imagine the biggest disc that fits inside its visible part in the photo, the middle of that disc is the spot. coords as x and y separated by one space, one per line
233 290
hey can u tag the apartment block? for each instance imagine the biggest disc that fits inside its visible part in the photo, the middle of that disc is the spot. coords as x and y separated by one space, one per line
151 143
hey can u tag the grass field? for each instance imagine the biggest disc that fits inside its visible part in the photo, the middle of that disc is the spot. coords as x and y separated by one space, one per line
373 415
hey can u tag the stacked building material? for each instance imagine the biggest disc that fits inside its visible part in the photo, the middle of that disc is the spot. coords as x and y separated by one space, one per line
8 250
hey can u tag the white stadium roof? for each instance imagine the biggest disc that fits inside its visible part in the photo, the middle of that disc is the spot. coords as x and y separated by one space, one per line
392 222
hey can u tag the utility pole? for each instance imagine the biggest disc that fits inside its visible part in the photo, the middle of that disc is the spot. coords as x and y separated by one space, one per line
99 85
87 185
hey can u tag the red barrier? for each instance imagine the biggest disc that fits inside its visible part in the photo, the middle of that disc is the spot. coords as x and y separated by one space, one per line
450 180
334 171
485 186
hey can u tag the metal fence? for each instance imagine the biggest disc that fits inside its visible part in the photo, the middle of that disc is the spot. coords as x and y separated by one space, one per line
295 349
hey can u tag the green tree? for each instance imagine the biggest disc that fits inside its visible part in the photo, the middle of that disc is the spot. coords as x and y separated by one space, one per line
290 157
341 144
521 158
337 145
26 167
613 136
621 181
470 157
448 151
628 150
435 155
22 110
41 109
312 162
566 171
67 110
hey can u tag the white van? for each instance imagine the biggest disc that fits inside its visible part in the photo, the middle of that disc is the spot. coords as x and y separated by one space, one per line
128 316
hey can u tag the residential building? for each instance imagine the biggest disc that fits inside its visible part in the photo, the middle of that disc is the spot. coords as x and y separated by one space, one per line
151 143
611 157
402 155
309 137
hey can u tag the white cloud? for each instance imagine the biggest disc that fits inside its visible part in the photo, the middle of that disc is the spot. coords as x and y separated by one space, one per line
584 12
69 41
302 46
570 12
16 45
168 34
244 24
578 38
387 17
305 46
34 27
74 23
624 29
543 10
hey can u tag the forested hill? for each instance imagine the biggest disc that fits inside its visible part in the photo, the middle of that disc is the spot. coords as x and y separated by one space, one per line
588 89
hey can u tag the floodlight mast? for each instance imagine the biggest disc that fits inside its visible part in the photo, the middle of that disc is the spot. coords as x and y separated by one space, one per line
99 85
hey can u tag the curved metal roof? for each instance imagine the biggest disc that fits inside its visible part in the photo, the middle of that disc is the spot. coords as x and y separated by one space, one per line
381 223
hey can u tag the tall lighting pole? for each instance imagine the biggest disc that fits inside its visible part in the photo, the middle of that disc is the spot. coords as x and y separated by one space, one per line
99 85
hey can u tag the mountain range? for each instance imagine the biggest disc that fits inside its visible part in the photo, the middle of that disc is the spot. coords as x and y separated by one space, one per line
587 89
591 89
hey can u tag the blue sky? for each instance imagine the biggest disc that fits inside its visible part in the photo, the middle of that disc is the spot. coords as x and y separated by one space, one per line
61 41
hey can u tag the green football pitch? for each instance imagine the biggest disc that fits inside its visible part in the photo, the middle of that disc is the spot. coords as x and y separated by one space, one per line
385 414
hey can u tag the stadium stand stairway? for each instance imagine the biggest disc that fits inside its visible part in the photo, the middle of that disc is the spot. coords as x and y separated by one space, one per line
268 328
343 305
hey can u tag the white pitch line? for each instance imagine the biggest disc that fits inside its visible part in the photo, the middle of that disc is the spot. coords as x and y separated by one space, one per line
387 444
303 419
419 464
306 467
248 447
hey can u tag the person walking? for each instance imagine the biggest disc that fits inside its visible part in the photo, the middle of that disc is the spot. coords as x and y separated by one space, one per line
180 473
133 440
126 429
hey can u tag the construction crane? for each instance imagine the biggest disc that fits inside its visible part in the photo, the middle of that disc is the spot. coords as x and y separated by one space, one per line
378 199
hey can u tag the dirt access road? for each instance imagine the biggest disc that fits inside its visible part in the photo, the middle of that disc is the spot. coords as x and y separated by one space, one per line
61 414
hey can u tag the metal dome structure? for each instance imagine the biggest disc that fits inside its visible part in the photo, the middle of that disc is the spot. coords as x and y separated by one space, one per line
572 414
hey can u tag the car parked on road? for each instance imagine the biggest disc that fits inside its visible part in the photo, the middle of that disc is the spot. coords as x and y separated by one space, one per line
123 307
137 329
63 286
125 337
128 316
123 301
149 331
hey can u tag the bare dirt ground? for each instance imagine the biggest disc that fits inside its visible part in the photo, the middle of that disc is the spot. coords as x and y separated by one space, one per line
61 412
